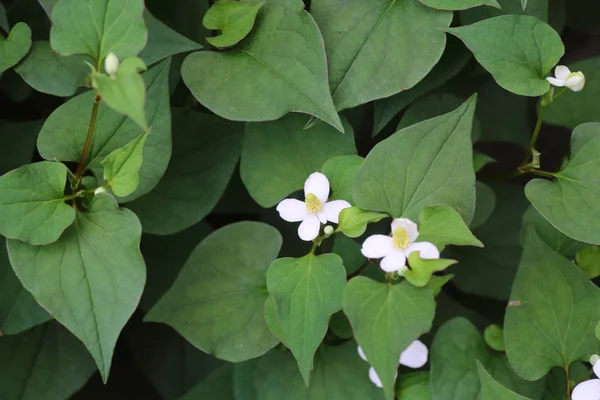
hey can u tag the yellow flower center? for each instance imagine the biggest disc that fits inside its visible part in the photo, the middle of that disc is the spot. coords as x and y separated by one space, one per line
400 238
313 204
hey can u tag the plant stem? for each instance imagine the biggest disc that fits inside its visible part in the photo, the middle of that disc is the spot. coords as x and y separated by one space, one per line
88 139
360 269
536 132
568 378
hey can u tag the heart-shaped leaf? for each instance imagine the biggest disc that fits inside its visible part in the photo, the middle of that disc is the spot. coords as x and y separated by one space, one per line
234 19
15 46
122 167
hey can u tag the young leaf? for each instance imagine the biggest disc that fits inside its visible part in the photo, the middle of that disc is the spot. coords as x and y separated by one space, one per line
234 19
441 225
498 45
307 291
122 166
491 389
438 154
115 26
354 221
341 172
485 203
278 156
15 46
459 4
480 160
494 337
421 270
383 328
32 205
554 325
572 202
588 259
414 386
364 64
285 58
98 270
224 276
524 4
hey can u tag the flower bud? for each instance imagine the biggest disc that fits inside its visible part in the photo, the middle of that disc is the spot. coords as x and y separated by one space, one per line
594 359
111 64
328 230
100 190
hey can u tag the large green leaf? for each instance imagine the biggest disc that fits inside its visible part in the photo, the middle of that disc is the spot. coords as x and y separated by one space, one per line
339 374
554 238
98 27
65 131
459 4
441 225
438 155
491 389
15 46
46 362
91 279
32 206
278 156
307 291
341 172
372 46
385 319
553 325
279 68
518 50
414 386
541 9
224 276
205 151
219 385
572 202
234 19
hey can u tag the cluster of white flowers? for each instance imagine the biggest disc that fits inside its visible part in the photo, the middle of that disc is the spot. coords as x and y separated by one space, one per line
414 356
590 389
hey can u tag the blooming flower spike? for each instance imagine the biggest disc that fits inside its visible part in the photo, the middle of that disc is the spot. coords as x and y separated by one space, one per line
590 389
564 77
394 249
314 210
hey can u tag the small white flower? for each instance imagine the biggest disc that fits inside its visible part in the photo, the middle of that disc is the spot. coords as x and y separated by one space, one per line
111 64
414 356
100 190
315 210
394 250
589 390
564 77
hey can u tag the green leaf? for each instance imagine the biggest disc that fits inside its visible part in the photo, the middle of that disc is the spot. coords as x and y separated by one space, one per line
442 225
421 270
414 386
438 154
206 150
15 46
122 166
436 283
17 143
126 91
278 156
554 13
554 323
32 206
491 389
307 291
364 64
588 259
115 26
459 4
349 250
485 203
572 202
243 380
64 133
285 58
219 385
225 275
597 331
353 221
234 19
381 326
339 373
46 362
480 160
518 50
494 337
96 268
341 172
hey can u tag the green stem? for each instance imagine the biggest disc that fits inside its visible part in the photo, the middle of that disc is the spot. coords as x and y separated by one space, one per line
360 269
88 140
540 173
568 379
534 137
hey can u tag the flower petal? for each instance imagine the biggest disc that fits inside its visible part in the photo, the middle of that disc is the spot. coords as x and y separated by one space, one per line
377 246
556 82
561 72
588 390
427 250
322 217
309 228
317 184
575 83
292 210
393 262
333 209
362 354
597 368
409 226
415 355
375 378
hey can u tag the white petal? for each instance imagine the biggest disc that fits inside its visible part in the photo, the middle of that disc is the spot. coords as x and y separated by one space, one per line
377 246
409 226
292 210
317 184
561 72
597 368
309 228
375 378
393 262
415 355
575 83
362 354
333 209
588 390
427 250
556 82
322 217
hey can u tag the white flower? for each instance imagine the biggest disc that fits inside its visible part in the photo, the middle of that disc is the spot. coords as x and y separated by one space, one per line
589 390
100 190
315 210
395 249
564 77
414 356
111 64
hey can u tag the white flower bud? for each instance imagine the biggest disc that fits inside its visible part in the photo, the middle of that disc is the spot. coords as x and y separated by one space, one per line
111 64
328 230
594 359
100 190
